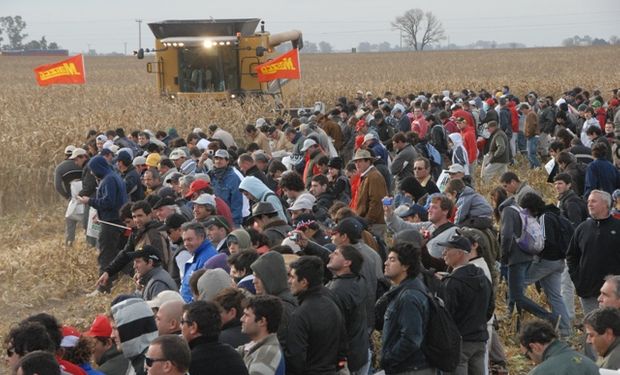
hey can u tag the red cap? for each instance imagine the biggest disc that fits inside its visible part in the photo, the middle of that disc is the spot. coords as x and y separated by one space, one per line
614 102
70 337
491 102
196 186
101 327
359 125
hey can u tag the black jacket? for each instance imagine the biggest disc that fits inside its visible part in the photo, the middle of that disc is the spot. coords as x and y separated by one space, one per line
210 357
316 338
349 293
276 231
231 334
573 207
468 295
577 172
593 253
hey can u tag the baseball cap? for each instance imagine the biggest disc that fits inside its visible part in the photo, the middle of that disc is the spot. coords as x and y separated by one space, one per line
196 186
307 144
77 152
147 252
101 327
165 201
415 209
221 154
69 149
174 177
70 337
163 297
455 168
457 242
305 202
101 138
139 160
124 157
351 227
177 154
218 221
205 199
369 137
173 221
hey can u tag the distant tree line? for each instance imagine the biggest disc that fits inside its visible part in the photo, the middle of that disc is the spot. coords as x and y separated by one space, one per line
13 28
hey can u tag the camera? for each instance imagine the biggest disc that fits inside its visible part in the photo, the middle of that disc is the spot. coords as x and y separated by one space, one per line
294 237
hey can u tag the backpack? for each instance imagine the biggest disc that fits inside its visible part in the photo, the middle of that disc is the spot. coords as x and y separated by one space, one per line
563 231
442 340
531 241
283 202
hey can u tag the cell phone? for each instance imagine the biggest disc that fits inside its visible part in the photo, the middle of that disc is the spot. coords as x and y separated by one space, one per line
387 201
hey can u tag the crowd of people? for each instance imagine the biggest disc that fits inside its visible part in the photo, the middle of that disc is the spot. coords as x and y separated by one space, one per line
284 252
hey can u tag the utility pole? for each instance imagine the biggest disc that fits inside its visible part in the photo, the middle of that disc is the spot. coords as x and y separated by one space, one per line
139 21
125 48
401 40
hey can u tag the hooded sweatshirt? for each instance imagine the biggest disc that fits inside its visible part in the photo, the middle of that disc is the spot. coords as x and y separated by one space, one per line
262 193
459 153
136 329
243 238
271 270
111 193
471 204
212 282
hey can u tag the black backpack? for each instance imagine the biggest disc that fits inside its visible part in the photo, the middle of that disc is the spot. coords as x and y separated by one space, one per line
442 341
563 231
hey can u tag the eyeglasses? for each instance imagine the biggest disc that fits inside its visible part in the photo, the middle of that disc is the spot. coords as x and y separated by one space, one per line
10 352
183 321
149 361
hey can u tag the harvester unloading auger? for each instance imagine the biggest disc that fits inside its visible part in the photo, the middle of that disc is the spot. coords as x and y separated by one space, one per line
214 58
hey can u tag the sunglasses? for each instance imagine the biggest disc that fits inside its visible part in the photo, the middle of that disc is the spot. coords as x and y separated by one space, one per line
149 361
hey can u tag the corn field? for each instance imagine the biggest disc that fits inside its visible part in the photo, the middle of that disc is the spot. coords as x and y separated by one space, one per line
38 274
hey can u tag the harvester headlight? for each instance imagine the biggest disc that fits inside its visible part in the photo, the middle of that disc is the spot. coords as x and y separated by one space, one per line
174 44
208 44
232 96
181 44
227 43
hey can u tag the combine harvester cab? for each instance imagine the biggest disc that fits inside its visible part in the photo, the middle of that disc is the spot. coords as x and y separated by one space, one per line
214 58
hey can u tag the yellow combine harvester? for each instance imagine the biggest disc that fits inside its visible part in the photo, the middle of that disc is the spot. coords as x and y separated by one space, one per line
214 58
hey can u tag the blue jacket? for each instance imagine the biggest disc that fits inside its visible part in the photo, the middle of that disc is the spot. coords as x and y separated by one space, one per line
89 369
379 150
203 253
261 192
111 193
405 322
601 175
227 188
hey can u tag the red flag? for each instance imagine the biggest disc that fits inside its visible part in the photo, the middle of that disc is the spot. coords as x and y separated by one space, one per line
285 66
66 71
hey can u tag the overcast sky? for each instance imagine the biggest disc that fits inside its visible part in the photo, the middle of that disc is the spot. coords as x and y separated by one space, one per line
107 25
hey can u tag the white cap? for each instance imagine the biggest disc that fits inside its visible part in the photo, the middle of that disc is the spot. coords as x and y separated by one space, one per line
139 160
307 144
369 136
163 297
205 199
69 149
304 202
77 152
177 154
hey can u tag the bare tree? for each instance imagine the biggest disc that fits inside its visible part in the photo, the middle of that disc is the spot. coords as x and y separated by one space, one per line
420 29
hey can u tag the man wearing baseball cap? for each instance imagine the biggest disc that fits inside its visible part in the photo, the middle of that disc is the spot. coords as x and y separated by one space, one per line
468 295
108 358
68 171
225 183
153 279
